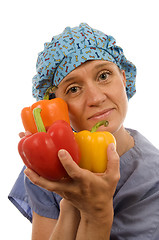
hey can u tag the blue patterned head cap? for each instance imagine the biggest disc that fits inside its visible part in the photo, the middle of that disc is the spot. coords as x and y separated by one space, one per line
73 47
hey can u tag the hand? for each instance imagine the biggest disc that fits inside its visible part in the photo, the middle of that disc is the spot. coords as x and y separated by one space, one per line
92 194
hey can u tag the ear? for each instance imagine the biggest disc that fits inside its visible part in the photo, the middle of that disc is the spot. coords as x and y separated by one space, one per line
124 77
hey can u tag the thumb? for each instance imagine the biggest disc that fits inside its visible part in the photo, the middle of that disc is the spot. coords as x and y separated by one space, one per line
113 164
70 166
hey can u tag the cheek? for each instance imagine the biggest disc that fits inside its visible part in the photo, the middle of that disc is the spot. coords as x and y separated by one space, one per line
77 116
123 104
74 113
120 97
120 87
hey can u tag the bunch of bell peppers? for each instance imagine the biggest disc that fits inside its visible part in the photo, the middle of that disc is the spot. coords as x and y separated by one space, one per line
48 121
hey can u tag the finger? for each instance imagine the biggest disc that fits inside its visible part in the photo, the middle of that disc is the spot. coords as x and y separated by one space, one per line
21 134
113 164
27 133
71 167
44 183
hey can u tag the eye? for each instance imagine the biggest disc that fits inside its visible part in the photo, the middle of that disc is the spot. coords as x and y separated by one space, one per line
103 76
73 89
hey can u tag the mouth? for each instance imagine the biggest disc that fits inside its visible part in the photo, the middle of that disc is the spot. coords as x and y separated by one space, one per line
102 115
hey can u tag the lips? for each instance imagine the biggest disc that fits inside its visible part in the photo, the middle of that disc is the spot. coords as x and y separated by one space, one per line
102 114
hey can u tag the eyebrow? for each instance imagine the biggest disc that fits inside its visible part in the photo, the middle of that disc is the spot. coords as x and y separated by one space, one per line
103 64
70 79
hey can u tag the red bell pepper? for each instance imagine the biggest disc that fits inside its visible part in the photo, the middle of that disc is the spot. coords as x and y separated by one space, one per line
39 151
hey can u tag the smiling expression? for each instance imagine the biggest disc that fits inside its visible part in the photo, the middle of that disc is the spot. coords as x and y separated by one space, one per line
95 91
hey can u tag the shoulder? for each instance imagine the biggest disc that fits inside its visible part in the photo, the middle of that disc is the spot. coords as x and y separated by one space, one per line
143 150
137 193
141 163
142 143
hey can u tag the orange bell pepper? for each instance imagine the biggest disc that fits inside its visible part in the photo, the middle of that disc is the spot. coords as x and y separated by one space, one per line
52 110
93 148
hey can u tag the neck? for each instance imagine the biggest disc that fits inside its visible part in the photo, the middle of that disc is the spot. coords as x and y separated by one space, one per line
124 141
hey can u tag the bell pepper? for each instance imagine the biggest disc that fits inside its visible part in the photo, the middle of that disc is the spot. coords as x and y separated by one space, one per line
93 148
52 110
39 151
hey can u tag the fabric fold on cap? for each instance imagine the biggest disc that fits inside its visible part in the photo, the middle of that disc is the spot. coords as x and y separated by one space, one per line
73 47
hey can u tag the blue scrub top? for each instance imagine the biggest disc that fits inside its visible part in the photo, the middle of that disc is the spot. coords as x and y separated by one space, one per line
136 200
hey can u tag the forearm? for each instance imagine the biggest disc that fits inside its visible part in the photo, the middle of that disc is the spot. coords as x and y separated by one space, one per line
94 228
67 225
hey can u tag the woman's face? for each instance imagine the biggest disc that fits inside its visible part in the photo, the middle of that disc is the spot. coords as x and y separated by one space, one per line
95 91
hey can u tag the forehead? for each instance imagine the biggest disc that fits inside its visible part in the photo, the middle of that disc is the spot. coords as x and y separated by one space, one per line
89 66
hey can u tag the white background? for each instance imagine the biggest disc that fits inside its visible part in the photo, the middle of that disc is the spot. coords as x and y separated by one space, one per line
25 26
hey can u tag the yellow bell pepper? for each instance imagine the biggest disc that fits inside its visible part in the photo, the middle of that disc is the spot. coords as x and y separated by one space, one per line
93 147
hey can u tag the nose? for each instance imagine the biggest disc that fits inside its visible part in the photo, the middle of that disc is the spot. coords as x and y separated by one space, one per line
95 95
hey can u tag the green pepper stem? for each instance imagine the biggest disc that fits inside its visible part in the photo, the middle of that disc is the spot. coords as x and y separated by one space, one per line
97 125
38 120
48 91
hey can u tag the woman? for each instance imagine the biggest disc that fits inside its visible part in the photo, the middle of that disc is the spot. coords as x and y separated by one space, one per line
93 76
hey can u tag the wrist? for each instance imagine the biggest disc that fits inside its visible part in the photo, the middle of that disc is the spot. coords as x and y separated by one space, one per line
68 222
99 220
92 227
68 210
99 214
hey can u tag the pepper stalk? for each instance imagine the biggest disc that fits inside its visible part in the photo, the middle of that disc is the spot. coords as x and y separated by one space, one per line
38 120
48 91
104 123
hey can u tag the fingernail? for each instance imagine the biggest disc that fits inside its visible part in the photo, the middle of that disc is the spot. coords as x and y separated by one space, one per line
61 153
